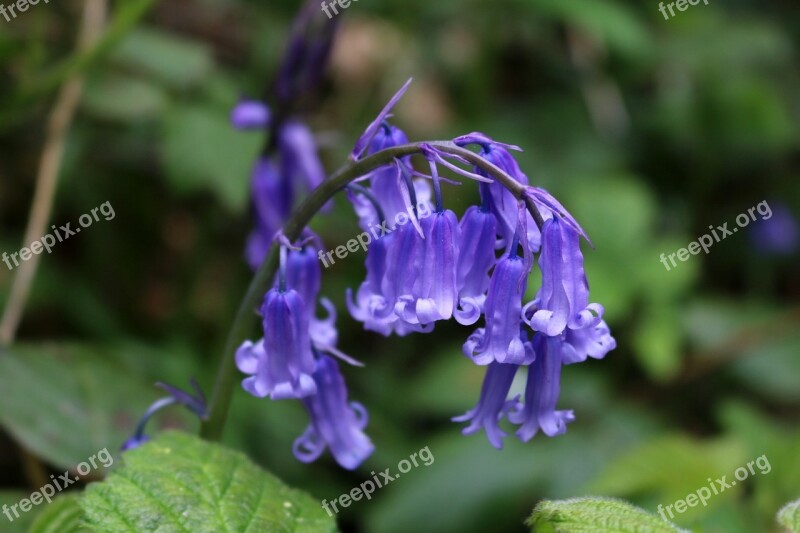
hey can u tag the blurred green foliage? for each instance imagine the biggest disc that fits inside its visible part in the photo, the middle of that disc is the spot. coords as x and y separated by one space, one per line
647 130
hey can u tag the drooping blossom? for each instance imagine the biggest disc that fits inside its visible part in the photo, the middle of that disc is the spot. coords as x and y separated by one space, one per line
493 404
433 295
563 299
500 340
541 392
281 363
336 424
476 258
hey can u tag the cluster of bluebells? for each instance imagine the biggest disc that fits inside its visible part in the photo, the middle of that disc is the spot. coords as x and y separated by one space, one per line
277 174
289 164
296 359
473 269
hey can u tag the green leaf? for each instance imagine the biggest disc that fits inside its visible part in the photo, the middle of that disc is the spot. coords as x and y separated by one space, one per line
63 515
178 482
67 402
122 98
201 151
595 514
671 467
657 341
176 62
789 516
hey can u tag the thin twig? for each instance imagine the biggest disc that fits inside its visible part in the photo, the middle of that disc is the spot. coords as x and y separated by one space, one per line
58 123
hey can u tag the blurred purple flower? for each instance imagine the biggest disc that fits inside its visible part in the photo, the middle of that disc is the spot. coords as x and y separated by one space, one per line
251 115
779 234
307 53
272 197
299 159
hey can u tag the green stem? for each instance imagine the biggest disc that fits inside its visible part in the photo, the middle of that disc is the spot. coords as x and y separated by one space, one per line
242 324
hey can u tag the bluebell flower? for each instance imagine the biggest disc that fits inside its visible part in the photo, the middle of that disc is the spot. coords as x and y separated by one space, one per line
494 196
476 258
402 262
393 260
563 299
501 339
304 275
335 423
493 404
391 187
593 341
370 305
387 184
434 295
541 392
282 362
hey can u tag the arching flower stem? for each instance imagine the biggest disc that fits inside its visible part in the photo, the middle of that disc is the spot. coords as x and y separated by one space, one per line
226 377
